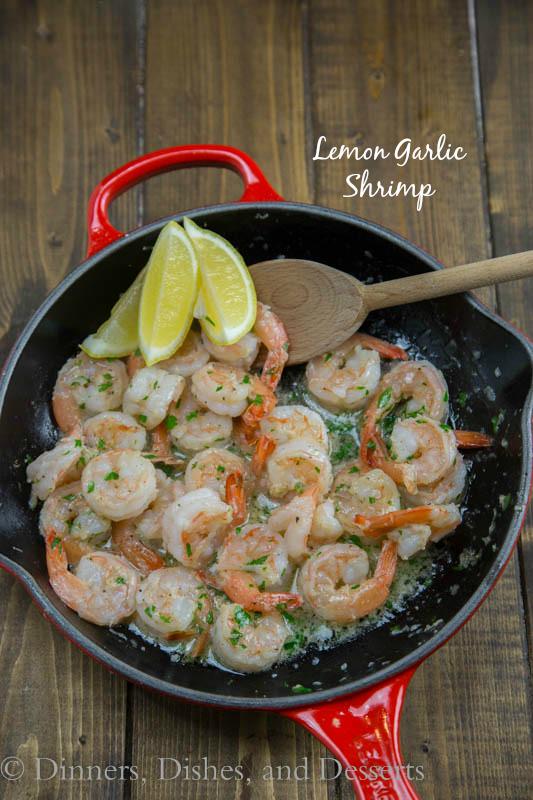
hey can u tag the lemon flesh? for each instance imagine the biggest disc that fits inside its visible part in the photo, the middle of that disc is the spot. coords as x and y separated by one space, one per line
118 336
228 301
168 295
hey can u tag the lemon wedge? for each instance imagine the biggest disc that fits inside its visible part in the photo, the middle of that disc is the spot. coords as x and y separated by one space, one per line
118 336
227 305
168 294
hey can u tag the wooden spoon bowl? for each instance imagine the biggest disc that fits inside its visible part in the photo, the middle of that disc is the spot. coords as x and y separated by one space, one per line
321 306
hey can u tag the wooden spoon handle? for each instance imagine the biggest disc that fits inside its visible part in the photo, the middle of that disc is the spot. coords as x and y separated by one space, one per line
448 281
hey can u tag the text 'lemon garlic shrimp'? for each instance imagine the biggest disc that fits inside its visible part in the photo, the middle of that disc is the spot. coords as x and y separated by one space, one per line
102 587
248 642
173 604
86 386
334 581
119 484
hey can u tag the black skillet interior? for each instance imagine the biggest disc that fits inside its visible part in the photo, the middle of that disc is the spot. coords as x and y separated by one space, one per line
487 366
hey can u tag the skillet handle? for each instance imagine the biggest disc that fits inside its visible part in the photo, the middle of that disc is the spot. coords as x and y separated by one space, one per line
101 232
363 733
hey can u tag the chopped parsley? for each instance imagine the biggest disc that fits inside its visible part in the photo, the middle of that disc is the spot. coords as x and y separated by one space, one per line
90 487
112 476
170 422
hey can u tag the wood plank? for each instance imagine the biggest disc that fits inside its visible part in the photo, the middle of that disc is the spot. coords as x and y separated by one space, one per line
230 73
380 72
505 33
68 92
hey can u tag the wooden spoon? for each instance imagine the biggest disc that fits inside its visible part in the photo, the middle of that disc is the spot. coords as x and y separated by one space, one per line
321 306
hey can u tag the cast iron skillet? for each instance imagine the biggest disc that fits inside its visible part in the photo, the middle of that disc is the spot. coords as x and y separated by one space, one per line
356 707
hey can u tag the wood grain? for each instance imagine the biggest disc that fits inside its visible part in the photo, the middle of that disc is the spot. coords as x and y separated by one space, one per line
380 71
505 34
67 85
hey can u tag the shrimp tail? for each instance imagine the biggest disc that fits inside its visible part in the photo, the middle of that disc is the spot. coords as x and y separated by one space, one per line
236 497
470 440
161 449
261 406
387 562
142 557
64 583
134 363
385 349
384 523
264 448
272 333
240 588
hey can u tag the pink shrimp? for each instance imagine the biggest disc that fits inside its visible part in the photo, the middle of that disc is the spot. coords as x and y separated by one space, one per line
471 440
140 555
441 519
271 331
236 497
264 448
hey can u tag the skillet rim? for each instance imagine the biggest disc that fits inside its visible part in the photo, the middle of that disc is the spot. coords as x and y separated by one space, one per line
415 656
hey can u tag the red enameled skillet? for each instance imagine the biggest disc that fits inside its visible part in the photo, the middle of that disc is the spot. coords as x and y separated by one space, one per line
357 687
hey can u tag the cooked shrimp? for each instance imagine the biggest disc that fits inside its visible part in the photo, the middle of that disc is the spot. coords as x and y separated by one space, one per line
245 642
411 539
257 551
172 603
264 448
191 356
359 490
241 354
102 587
262 402
119 484
298 465
150 393
295 520
161 445
325 527
236 497
418 383
446 490
55 467
222 388
347 377
197 428
334 581
422 452
67 513
84 387
149 524
285 423
126 539
113 430
441 519
271 331
194 527
211 468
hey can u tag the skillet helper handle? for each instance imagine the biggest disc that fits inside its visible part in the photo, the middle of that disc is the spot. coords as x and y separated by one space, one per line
452 280
100 230
363 733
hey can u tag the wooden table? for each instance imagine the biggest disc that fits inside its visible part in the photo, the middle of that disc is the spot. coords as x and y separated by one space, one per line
86 86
